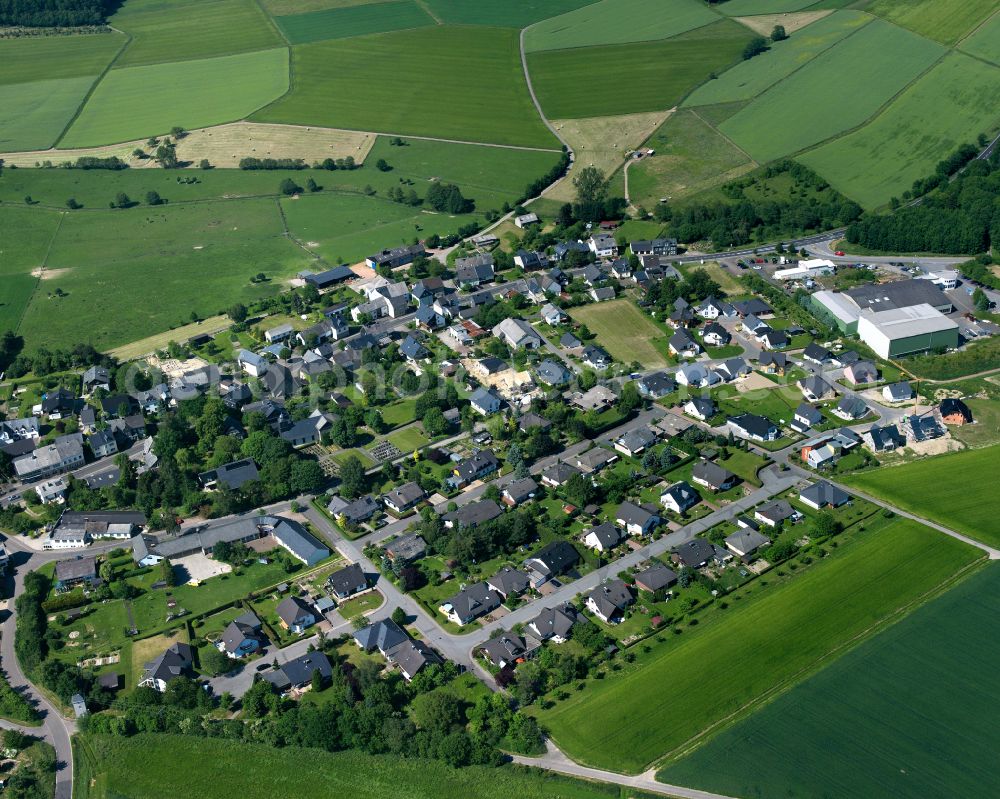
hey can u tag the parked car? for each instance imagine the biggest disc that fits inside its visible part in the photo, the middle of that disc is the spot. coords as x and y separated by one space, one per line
839 253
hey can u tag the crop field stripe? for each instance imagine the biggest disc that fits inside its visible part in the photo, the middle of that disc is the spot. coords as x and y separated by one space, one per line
945 107
504 13
984 41
877 47
910 710
343 23
945 21
752 76
778 637
148 100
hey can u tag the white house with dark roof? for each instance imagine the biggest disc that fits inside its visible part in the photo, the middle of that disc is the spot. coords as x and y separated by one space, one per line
609 601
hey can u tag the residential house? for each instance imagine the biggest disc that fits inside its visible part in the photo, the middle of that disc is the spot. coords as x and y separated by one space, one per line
602 293
251 363
693 554
883 438
570 342
78 571
710 308
754 427
174 662
62 455
411 349
554 624
593 460
774 339
754 326
345 583
552 373
636 441
404 498
478 465
862 372
355 512
57 404
683 346
955 412
679 497
396 257
773 363
850 408
598 398
551 561
52 490
593 275
297 673
406 548
621 269
822 494
279 334
715 335
558 474
745 542
295 615
603 538
752 307
595 357
775 512
509 582
898 392
609 600
712 476
806 416
505 650
603 245
399 650
232 476
474 270
472 514
655 578
242 637
96 377
637 519
814 388
702 408
564 248
525 220
485 401
656 385
519 491
531 421
816 353
552 315
655 247
102 443
470 603
517 334
732 369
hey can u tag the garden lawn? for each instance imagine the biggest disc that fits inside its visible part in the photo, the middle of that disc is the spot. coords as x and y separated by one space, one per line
744 464
943 20
909 710
630 78
948 106
854 79
460 77
33 115
178 30
341 23
690 156
623 330
409 439
501 13
127 274
150 100
687 685
615 22
985 41
954 490
140 766
749 78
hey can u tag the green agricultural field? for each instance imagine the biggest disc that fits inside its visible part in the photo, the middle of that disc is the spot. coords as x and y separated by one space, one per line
618 22
839 89
770 640
139 767
985 42
624 331
147 101
347 228
909 710
33 115
129 273
945 21
690 156
629 78
948 489
501 13
177 30
340 23
466 76
20 256
36 58
948 106
750 78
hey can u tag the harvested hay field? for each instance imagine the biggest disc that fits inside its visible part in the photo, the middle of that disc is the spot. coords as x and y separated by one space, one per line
764 23
225 145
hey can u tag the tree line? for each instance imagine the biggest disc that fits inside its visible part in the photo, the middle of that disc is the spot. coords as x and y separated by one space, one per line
55 13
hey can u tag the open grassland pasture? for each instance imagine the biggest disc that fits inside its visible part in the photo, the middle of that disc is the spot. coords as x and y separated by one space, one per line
953 490
341 23
21 258
687 685
837 90
33 115
282 7
624 331
690 156
985 41
602 142
139 767
348 228
461 83
502 13
742 8
948 106
632 78
618 22
127 274
945 21
909 710
177 30
36 58
150 100
749 78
